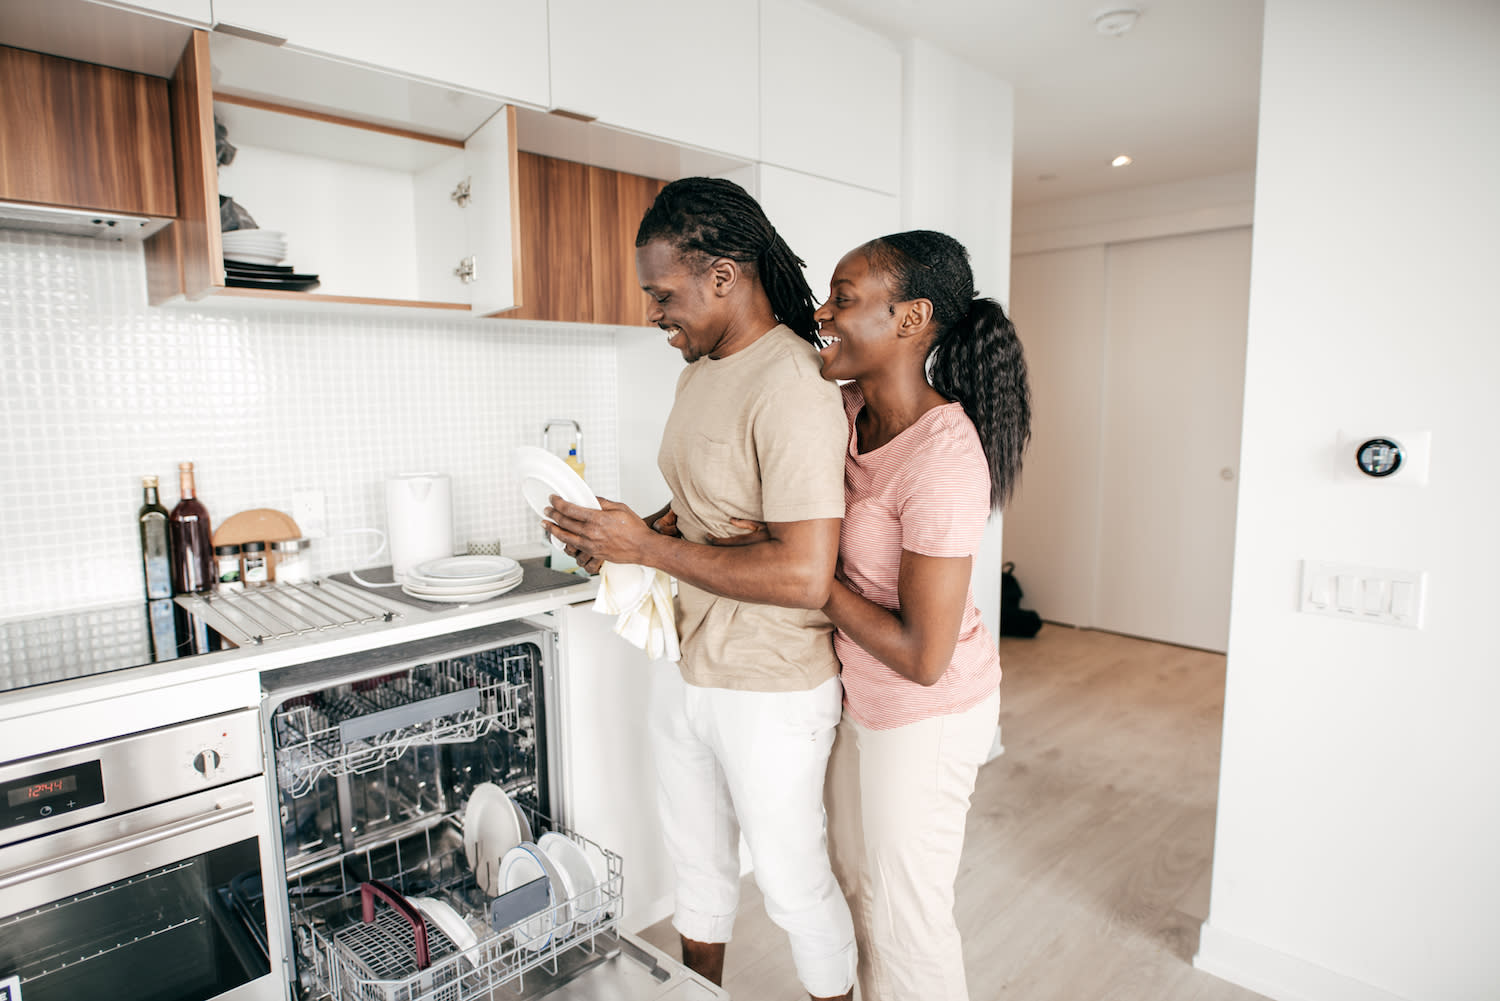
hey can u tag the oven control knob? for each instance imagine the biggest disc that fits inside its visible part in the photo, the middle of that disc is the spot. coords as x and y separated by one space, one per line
207 762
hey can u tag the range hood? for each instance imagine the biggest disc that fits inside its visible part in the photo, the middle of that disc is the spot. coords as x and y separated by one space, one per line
78 222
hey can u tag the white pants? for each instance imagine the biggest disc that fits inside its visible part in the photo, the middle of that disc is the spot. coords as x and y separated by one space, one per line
730 761
897 803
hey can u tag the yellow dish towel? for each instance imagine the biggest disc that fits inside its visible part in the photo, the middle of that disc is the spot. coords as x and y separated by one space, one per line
644 619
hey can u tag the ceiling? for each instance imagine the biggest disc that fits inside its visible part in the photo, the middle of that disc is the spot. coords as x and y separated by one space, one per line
1178 93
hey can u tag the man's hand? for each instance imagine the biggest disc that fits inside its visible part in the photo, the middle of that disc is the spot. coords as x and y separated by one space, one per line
667 525
614 533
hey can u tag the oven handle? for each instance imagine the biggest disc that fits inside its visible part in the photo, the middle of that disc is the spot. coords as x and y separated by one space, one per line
119 846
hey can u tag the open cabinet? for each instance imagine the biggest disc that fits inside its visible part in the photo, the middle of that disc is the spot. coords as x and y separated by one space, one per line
383 215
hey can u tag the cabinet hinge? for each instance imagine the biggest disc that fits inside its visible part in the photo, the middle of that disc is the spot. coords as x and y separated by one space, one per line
461 193
466 271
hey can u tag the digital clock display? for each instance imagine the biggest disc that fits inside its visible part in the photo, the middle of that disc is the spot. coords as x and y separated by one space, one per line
37 791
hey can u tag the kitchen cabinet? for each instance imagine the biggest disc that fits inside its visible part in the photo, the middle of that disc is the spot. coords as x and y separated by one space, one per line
822 220
383 215
578 226
197 12
677 69
84 136
830 96
498 47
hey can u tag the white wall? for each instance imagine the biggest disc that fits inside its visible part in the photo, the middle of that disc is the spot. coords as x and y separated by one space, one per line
958 132
1356 847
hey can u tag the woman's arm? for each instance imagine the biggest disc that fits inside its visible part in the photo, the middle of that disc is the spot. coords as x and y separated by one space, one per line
917 641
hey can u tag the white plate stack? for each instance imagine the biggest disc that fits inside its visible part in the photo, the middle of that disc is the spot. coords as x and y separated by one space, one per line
255 246
460 579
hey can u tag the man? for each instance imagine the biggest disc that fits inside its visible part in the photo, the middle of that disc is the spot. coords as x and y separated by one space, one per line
742 731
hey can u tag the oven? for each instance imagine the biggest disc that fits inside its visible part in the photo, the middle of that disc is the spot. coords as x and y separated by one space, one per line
127 868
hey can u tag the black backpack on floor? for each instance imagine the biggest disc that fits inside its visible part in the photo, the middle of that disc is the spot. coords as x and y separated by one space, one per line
1015 620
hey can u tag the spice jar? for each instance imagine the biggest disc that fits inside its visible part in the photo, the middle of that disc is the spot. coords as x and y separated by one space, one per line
227 568
291 564
253 570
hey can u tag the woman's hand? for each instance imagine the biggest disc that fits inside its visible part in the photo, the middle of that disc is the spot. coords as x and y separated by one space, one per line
753 532
667 525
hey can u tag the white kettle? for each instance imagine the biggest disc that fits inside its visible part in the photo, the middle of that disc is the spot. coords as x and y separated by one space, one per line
419 519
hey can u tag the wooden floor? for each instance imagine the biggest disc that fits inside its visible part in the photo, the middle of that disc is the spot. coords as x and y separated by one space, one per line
1085 873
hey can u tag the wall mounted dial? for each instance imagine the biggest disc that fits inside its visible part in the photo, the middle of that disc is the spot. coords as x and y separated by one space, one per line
1379 456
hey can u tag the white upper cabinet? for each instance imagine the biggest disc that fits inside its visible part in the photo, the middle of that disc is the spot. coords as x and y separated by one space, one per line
830 96
188 11
498 47
823 220
680 70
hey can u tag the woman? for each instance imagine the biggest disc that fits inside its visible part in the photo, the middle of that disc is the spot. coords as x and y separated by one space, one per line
939 414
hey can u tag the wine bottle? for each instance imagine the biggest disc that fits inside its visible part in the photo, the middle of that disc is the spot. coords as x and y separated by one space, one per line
156 561
192 538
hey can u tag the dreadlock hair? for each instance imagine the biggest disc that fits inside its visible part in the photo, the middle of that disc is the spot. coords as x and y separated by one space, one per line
712 218
974 356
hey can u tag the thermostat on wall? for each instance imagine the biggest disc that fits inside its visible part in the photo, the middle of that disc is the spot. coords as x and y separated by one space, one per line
1394 457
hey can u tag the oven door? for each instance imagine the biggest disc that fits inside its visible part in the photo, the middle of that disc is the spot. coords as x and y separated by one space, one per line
160 904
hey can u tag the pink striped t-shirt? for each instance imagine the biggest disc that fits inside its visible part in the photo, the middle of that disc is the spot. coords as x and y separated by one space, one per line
927 491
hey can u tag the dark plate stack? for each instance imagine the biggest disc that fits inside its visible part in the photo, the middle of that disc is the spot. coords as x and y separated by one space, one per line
243 274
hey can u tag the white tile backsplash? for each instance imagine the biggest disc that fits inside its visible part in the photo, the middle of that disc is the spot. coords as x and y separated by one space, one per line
97 389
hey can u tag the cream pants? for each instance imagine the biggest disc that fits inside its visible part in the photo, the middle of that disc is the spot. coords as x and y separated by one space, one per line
730 761
897 802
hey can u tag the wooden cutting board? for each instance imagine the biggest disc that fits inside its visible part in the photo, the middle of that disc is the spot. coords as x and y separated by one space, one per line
261 524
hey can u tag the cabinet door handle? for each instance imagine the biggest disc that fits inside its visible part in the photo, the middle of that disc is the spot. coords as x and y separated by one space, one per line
250 33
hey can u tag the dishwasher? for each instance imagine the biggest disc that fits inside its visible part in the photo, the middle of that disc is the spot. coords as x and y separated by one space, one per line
372 762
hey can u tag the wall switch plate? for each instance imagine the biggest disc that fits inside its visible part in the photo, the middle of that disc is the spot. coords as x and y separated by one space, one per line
310 512
1364 594
1416 453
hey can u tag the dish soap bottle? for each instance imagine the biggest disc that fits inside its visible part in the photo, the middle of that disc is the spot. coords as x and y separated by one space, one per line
573 460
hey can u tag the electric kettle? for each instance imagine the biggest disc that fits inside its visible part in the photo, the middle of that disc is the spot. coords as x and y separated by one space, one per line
419 519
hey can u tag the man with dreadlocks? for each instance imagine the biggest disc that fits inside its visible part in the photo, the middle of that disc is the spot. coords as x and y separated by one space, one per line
742 731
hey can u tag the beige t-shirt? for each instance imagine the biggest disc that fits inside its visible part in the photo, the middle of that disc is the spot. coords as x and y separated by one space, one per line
757 435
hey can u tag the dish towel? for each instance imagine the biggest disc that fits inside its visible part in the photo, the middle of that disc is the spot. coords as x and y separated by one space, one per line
650 620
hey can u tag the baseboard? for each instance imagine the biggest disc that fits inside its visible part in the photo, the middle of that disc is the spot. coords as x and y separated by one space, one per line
1275 974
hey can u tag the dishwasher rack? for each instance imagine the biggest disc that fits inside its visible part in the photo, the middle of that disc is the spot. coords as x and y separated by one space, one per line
362 727
326 913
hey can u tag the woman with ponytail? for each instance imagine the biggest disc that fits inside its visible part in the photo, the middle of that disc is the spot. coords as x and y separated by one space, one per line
938 416
742 728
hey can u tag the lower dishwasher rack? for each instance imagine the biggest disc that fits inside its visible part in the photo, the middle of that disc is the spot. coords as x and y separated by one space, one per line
347 963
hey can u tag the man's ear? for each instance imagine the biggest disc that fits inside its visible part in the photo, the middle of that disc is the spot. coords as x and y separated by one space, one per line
912 317
725 275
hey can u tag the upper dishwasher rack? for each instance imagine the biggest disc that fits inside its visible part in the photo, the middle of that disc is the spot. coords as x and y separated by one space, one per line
364 725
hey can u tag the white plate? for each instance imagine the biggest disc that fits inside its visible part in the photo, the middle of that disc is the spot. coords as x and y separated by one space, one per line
584 891
544 474
448 921
490 831
459 598
523 821
251 258
600 866
428 586
466 567
521 865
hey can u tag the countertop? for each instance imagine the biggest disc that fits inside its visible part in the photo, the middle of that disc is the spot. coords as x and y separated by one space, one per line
81 710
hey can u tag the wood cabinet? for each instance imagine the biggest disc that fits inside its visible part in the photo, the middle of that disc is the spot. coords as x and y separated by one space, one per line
498 47
830 96
677 69
383 215
84 136
578 226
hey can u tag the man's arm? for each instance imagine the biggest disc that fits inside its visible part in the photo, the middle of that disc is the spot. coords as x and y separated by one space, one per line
792 568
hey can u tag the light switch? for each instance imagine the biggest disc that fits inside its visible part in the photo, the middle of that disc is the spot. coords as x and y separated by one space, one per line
1363 594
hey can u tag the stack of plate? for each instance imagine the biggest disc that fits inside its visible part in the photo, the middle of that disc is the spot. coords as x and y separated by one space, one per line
461 579
255 246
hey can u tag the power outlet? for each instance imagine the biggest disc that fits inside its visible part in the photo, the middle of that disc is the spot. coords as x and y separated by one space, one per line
1364 594
310 512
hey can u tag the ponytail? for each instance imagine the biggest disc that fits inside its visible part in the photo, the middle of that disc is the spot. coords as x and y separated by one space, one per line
975 356
716 218
978 362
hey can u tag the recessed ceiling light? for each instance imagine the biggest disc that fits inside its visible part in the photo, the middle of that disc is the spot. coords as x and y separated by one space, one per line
1121 161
